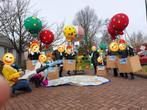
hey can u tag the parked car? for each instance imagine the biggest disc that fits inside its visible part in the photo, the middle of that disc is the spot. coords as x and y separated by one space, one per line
143 57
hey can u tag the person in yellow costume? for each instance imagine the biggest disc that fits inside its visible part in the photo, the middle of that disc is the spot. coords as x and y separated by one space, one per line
12 75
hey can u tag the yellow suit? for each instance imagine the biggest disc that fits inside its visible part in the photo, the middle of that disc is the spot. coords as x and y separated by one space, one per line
10 74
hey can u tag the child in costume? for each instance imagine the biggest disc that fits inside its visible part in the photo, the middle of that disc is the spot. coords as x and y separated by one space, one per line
59 55
70 55
38 78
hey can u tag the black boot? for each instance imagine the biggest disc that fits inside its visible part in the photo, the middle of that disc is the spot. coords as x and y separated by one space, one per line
75 72
95 69
132 76
126 75
115 72
60 71
121 74
68 72
37 82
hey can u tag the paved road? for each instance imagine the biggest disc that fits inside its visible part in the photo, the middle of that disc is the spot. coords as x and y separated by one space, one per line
119 94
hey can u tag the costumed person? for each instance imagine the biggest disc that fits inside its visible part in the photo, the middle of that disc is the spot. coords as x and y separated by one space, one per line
124 52
50 57
59 55
113 51
38 78
94 55
131 53
70 55
12 75
34 50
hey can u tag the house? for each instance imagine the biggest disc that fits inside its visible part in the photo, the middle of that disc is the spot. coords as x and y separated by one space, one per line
6 46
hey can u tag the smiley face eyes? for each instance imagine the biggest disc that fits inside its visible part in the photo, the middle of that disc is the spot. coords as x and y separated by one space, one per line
9 57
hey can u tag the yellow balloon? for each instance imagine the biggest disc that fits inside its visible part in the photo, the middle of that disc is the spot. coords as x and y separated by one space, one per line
69 32
100 59
42 58
122 46
93 48
114 46
8 59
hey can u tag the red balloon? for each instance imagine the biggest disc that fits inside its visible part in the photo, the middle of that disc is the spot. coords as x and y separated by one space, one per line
112 32
122 41
46 37
119 22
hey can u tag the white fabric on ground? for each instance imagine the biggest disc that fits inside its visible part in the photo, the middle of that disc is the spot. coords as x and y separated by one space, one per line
80 80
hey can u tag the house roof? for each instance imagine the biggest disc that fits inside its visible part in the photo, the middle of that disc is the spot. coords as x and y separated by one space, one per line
6 43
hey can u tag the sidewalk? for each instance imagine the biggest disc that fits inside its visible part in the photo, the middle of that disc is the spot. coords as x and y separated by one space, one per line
119 94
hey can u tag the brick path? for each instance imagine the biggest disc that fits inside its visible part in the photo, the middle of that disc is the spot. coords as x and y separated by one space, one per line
119 94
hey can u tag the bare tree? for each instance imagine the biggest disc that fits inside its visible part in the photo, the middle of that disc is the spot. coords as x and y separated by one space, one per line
11 24
105 37
137 39
58 33
88 19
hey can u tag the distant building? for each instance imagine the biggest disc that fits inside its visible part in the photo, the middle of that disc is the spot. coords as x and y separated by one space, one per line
6 46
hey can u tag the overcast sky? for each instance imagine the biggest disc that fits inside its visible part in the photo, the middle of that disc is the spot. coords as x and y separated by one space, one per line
56 11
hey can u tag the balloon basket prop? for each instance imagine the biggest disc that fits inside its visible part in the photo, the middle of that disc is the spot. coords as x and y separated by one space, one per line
129 64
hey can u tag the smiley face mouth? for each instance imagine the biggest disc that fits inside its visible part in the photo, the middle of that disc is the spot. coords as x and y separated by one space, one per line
8 61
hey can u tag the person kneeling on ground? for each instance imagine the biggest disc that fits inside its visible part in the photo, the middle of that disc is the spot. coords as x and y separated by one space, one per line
12 75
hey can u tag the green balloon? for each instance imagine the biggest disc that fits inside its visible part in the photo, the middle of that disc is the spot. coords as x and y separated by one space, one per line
33 24
35 35
103 46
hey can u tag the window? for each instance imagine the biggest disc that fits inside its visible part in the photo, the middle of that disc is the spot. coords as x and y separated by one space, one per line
1 52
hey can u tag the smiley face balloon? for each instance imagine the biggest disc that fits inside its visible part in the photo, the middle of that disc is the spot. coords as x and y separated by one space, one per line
100 59
113 46
70 33
122 46
93 48
42 58
8 59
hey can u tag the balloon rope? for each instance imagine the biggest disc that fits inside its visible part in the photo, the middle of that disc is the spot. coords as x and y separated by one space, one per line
127 37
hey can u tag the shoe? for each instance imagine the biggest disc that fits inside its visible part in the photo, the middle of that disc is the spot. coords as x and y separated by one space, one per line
68 73
132 76
126 75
